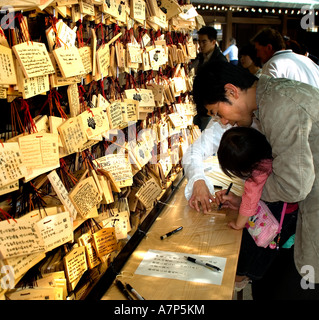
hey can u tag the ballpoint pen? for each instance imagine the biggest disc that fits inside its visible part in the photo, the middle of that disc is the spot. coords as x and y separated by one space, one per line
227 191
134 292
205 264
170 233
120 285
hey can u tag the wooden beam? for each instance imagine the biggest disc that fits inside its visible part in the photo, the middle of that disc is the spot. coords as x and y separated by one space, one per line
222 20
229 28
267 21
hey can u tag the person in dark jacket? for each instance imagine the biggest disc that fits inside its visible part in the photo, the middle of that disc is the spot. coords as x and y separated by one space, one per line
209 51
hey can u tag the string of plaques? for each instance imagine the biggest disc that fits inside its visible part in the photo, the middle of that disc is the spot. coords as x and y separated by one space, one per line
96 116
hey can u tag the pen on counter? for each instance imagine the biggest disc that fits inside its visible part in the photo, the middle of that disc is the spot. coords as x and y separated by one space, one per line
205 264
228 189
120 285
134 292
170 233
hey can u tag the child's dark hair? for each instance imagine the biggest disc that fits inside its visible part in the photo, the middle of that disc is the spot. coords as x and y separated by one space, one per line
240 151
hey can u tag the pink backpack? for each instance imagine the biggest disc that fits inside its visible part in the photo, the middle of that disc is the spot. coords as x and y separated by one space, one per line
264 227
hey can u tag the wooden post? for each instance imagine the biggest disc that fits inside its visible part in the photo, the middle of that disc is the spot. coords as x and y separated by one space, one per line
228 30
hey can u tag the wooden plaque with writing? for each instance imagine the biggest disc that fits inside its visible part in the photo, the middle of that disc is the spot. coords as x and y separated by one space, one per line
105 241
69 61
33 58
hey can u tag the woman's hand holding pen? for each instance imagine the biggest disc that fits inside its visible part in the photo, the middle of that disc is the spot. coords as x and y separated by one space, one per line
231 200
201 197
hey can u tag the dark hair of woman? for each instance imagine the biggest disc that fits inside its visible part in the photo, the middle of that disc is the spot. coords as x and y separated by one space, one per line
250 50
240 151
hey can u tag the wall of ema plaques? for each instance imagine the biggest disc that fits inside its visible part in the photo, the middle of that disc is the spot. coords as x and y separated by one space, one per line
86 90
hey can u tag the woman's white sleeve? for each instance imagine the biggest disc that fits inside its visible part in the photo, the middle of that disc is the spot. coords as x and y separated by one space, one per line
206 145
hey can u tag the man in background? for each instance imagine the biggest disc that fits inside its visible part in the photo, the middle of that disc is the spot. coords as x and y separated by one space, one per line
209 51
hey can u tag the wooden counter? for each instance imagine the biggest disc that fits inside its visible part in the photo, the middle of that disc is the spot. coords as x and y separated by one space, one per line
201 235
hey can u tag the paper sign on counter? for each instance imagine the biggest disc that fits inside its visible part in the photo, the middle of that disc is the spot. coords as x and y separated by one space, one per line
173 265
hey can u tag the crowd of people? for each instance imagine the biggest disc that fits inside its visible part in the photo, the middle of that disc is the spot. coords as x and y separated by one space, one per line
269 99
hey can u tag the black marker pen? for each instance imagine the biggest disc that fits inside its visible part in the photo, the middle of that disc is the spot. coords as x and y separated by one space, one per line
133 291
205 264
170 233
120 285
227 191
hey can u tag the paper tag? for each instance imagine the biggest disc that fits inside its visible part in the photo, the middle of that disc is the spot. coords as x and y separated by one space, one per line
19 238
7 69
166 164
36 294
107 196
34 59
138 9
171 7
72 134
142 153
176 119
9 188
12 167
120 54
51 34
157 57
105 241
188 12
121 10
22 264
163 131
56 230
86 240
119 166
75 265
132 109
42 124
95 122
69 61
115 114
135 53
103 59
146 39
145 97
62 193
73 98
86 56
57 79
110 7
121 222
39 150
102 102
149 192
158 92
66 34
85 196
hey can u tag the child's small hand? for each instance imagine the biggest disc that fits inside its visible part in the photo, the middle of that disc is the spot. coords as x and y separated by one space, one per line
231 201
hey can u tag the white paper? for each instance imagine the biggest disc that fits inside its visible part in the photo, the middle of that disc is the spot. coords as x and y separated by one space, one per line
173 265
56 230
